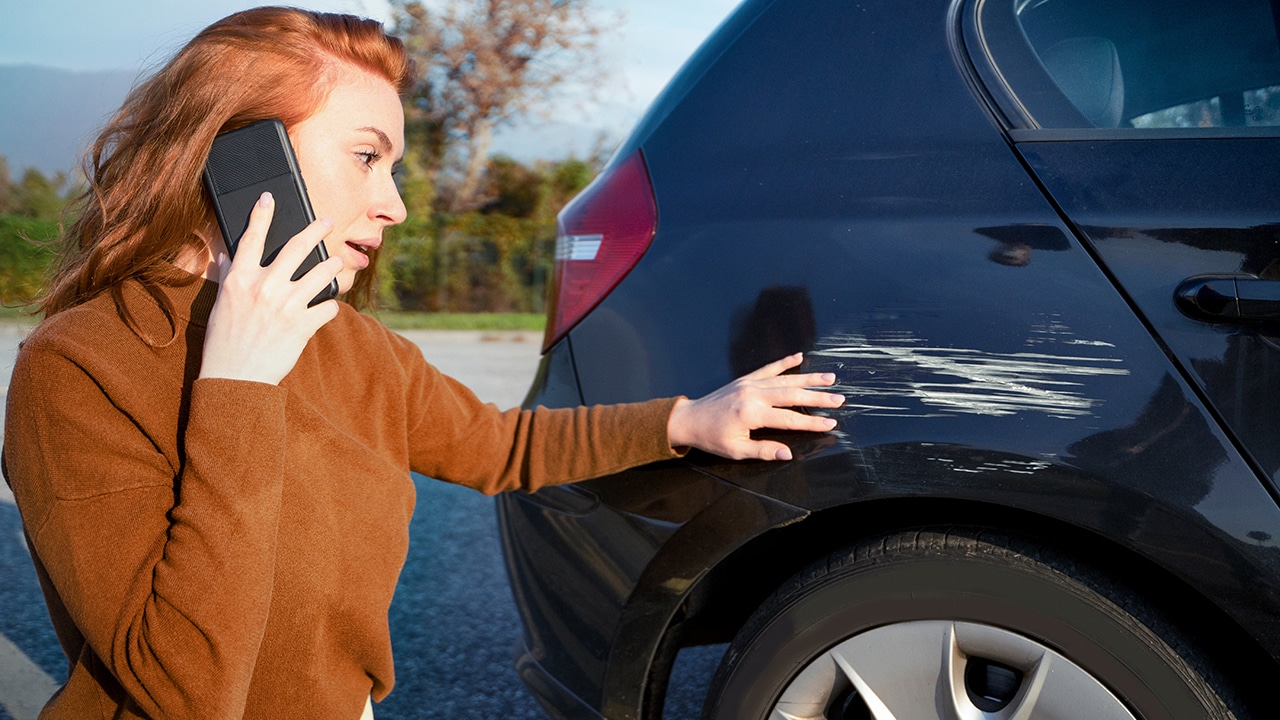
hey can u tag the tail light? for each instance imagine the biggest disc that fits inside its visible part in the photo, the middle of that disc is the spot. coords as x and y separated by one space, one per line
600 236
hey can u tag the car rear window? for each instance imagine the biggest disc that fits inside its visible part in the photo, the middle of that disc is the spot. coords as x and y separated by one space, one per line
1155 63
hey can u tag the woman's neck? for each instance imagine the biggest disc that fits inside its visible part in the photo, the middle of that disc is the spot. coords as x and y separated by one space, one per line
202 259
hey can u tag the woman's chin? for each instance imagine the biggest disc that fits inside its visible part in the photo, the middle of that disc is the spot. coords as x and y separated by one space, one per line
346 278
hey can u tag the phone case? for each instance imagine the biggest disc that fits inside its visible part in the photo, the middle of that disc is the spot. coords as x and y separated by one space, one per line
246 162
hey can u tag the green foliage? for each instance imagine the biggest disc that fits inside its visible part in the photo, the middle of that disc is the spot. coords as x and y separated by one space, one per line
495 259
463 321
36 196
518 188
29 214
498 258
568 179
6 188
408 263
25 253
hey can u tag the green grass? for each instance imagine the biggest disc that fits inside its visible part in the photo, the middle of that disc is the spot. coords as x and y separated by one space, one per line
22 313
399 320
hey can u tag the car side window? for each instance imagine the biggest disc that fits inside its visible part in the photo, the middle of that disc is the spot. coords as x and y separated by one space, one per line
1250 108
1144 64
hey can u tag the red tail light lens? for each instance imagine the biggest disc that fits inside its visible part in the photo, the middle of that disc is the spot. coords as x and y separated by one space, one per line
600 236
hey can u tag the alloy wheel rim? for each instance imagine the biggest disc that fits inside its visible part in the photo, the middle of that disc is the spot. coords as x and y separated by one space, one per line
946 670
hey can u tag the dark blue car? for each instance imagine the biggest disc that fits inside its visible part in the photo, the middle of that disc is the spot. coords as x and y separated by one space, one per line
1038 242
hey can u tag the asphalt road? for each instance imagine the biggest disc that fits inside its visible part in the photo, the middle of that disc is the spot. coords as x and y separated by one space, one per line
453 621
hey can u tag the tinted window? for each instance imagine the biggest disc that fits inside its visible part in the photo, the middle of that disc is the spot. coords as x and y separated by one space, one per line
1249 108
1157 63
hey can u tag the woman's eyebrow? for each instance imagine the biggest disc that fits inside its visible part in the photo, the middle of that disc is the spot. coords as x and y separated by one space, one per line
383 139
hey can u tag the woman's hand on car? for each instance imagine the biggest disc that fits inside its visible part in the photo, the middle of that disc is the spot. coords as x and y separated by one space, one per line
261 321
721 423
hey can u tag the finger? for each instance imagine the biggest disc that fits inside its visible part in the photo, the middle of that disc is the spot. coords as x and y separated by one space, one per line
322 312
769 450
299 246
815 379
318 278
783 381
782 419
777 367
248 247
801 397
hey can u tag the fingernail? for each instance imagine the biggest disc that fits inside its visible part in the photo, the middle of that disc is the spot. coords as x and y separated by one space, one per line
328 222
783 454
839 400
265 199
830 423
828 377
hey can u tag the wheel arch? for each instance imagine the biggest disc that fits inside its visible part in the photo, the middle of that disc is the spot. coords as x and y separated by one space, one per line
721 601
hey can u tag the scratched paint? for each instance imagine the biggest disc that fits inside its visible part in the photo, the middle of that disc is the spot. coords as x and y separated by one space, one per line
1016 467
897 374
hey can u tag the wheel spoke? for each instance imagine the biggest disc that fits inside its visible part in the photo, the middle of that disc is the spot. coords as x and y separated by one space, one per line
895 668
807 696
917 671
1052 686
779 714
879 711
1058 689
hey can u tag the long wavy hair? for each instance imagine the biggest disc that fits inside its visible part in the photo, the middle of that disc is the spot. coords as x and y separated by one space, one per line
145 204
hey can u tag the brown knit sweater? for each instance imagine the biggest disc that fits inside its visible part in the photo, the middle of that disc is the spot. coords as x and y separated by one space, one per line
224 549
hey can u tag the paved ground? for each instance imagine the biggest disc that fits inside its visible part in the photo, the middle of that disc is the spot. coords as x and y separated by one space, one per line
453 622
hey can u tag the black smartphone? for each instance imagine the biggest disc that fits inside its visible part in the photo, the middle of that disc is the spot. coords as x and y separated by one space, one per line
243 164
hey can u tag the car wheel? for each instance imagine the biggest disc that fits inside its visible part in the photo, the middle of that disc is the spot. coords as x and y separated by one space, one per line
962 625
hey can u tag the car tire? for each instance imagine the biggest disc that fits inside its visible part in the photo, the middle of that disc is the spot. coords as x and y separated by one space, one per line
959 624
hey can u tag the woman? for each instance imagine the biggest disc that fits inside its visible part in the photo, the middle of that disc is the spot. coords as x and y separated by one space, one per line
213 477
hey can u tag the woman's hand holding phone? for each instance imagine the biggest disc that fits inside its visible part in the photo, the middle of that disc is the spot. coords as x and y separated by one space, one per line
260 322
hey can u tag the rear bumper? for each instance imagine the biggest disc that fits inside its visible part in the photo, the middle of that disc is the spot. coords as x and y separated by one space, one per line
555 699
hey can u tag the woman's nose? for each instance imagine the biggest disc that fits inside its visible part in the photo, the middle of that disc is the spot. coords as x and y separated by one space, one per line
388 206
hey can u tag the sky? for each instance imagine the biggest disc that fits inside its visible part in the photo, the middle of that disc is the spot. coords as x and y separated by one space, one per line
656 37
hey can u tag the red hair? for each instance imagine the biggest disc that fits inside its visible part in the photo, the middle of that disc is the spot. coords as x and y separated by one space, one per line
145 203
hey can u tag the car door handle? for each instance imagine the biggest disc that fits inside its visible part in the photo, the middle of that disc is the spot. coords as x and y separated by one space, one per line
1229 298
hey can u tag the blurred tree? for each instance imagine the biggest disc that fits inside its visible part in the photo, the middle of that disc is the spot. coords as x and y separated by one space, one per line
26 249
30 214
494 259
425 142
515 189
410 265
485 63
567 179
6 187
37 196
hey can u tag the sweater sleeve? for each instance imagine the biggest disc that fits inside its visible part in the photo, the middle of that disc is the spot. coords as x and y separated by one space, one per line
455 437
165 572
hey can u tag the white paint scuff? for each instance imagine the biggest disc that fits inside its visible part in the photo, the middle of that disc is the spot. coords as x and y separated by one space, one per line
902 376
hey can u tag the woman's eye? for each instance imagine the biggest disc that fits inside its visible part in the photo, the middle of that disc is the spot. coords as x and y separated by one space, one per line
369 157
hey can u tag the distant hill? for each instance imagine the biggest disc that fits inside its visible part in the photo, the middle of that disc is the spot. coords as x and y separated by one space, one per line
48 116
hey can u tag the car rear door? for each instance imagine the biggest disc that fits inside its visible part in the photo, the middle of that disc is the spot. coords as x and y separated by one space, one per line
1154 127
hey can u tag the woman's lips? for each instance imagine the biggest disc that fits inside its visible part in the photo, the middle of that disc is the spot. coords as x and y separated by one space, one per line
362 249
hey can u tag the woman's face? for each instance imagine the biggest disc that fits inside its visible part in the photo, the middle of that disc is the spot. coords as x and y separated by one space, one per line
347 151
